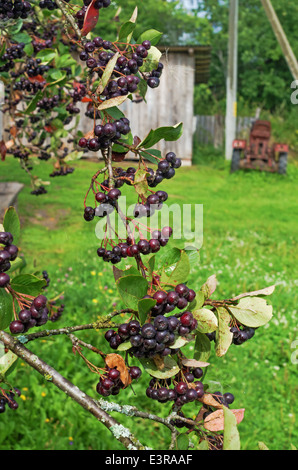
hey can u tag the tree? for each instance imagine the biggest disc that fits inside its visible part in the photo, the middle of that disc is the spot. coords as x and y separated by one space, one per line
263 76
161 314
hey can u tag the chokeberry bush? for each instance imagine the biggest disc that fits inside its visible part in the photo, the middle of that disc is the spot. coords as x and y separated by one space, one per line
160 315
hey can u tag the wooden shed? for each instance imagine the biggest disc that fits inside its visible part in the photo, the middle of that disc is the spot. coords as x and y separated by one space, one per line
172 101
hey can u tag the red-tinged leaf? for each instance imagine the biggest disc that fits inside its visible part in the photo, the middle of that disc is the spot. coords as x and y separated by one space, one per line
215 421
3 150
115 361
90 20
118 157
86 100
48 128
37 78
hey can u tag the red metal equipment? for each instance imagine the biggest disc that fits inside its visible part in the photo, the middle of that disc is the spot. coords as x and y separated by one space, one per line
258 153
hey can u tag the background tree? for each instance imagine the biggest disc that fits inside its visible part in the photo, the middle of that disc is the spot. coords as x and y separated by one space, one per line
263 74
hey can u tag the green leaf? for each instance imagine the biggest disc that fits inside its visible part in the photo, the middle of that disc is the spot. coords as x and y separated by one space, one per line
207 320
209 287
182 442
33 103
6 309
202 348
112 102
46 56
262 446
198 301
167 133
204 445
56 74
107 73
75 155
180 273
131 289
224 336
144 307
167 368
16 264
28 284
11 223
124 346
65 60
140 182
231 434
22 37
7 361
125 31
118 273
150 155
151 35
181 341
168 260
152 60
252 311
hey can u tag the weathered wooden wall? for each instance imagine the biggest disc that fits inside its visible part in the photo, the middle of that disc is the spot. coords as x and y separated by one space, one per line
167 105
210 130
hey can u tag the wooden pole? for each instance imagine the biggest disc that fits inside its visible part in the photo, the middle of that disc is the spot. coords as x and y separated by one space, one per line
232 73
281 37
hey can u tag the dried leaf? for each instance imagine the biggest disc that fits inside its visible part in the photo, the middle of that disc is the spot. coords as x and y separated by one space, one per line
194 363
215 421
13 131
3 150
116 361
36 79
208 400
89 134
118 157
90 19
266 291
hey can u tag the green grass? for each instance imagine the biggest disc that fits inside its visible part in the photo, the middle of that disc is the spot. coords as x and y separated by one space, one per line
250 226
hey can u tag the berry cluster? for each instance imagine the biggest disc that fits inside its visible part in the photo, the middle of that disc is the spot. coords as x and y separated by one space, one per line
15 51
55 315
8 398
106 134
129 249
63 171
98 4
26 85
48 4
166 170
35 315
34 67
240 336
179 298
154 76
7 254
153 338
47 104
106 206
39 190
152 203
110 382
13 9
184 388
45 276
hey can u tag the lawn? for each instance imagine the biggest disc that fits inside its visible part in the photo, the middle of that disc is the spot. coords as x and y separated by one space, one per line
250 227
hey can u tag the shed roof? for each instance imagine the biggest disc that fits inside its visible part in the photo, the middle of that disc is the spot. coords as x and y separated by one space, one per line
202 56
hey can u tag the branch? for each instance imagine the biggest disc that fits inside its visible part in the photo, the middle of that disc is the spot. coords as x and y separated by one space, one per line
70 19
133 411
120 433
